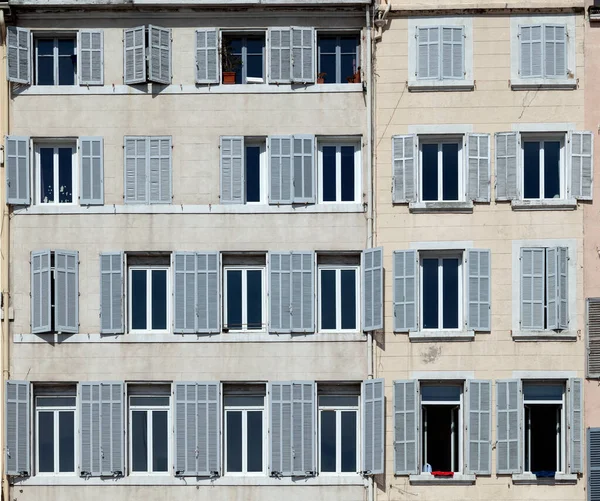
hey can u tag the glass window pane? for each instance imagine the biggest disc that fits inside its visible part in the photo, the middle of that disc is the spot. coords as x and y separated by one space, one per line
254 57
430 293
440 393
552 169
67 62
139 441
65 175
348 67
327 58
349 441
66 46
450 293
328 307
149 401
255 441
160 437
338 400
46 175
243 400
348 191
138 299
66 441
55 401
234 441
531 169
254 299
234 299
430 172
349 44
348 292
450 171
46 441
45 46
236 53
327 45
45 70
542 391
252 173
328 437
329 174
159 299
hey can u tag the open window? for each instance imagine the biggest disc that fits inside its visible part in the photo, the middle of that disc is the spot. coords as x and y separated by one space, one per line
243 57
543 174
55 60
243 170
338 58
441 169
56 172
339 171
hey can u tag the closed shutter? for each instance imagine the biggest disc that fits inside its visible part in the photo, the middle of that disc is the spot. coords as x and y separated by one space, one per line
91 57
479 303
66 291
531 51
373 426
159 69
281 190
41 296
134 56
478 162
280 283
207 295
160 169
17 170
555 51
562 293
405 291
111 293
18 46
575 389
592 323
207 56
17 462
428 60
404 168
136 159
453 53
303 428
479 427
197 429
303 292
184 292
303 55
280 429
304 169
582 165
406 427
508 426
551 288
280 55
91 159
532 288
593 460
506 165
232 170
372 289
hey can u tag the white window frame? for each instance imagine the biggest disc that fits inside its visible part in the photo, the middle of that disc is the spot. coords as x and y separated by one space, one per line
440 140
245 269
56 410
37 178
338 143
542 138
243 33
149 269
55 36
262 144
338 33
338 299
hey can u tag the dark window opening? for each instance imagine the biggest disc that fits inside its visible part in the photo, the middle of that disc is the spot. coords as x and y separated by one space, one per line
56 61
533 169
246 53
440 164
450 300
252 173
338 57
543 438
440 437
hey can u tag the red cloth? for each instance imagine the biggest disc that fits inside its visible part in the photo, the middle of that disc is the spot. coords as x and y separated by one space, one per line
442 473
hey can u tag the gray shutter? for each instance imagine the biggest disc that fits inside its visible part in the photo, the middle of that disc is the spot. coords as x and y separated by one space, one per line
453 53
111 293
562 293
555 51
159 158
280 292
592 322
507 145
532 288
372 289
303 292
91 161
134 55
232 170
479 427
91 57
66 291
17 170
280 429
428 47
136 170
478 162
582 165
303 428
406 427
304 169
207 56
159 41
281 189
197 429
18 47
551 288
17 429
593 464
184 292
508 426
531 51
280 55
101 421
575 387
404 168
303 55
207 292
405 290
479 304
41 296
373 426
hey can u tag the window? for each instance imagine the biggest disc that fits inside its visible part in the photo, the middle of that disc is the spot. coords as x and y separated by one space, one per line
440 52
339 58
244 295
543 51
149 297
56 173
56 60
543 167
441 170
339 294
148 169
441 290
255 159
149 430
147 55
339 172
244 54
338 433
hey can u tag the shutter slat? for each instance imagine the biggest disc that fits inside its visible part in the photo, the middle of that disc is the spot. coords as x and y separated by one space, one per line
280 292
111 293
41 287
304 169
405 291
280 55
233 186
506 165
563 287
372 289
593 337
532 288
66 291
452 53
159 40
479 290
302 292
478 164
18 60
91 57
582 165
531 50
91 161
17 170
551 288
404 166
280 436
281 189
184 292
303 55
17 429
303 428
508 426
136 170
159 160
555 51
207 293
207 56
593 463
406 427
428 42
373 426
575 425
479 427
134 57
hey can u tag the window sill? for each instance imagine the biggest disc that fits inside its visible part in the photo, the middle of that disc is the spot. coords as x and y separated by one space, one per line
543 84
424 207
544 335
426 336
551 204
531 479
429 479
441 85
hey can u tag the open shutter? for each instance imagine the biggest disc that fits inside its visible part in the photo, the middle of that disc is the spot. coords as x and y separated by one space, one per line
405 291
91 57
280 55
17 170
159 69
479 427
453 53
160 169
479 290
555 51
111 293
207 295
17 462
280 292
373 426
506 165
551 288
18 46
66 291
592 323
532 288
280 436
406 427
304 416
404 168
593 463
41 297
575 389
530 40
508 426
91 161
136 175
428 60
478 162
232 170
303 55
304 169
303 292
562 295
134 57
281 190
372 289
582 164
184 292
207 56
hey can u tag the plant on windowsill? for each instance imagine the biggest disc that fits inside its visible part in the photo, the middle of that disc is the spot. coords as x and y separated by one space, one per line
321 78
355 78
229 64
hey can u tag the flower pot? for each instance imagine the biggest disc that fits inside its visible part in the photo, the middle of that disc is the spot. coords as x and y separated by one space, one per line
320 80
354 78
229 77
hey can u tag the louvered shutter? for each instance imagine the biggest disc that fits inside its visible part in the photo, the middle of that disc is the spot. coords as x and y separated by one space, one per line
17 429
575 389
373 426
66 291
184 292
555 51
508 426
18 60
551 288
159 69
453 53
91 161
197 429
406 427
280 292
303 55
404 168
479 290
593 463
160 169
479 427
531 51
280 436
207 56
111 293
428 59
303 428
41 296
91 57
372 289
280 55
17 170
232 170
134 57
405 291
207 295
592 323
562 293
304 169
136 170
281 189
532 288
582 165
303 293
507 145
101 418
478 164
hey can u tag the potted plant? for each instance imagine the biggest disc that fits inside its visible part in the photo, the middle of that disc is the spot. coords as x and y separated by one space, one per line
321 78
229 63
355 78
